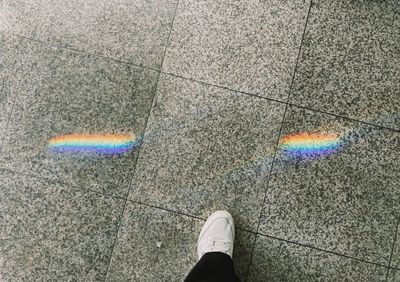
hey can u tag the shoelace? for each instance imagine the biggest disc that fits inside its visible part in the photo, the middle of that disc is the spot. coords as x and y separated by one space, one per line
219 245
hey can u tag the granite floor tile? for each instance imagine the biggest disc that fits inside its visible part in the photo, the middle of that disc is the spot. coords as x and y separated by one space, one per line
242 252
250 46
394 275
207 148
64 92
349 63
50 231
157 245
276 260
346 200
9 80
396 252
135 31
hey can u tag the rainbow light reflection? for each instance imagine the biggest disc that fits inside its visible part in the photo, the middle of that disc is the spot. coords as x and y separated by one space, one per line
310 144
100 144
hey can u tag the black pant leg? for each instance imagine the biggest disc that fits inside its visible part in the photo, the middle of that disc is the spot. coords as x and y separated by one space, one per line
213 267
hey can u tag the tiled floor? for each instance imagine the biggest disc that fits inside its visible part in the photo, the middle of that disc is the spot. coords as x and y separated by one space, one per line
210 89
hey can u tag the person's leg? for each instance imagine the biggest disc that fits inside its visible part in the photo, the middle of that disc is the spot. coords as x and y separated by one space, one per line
215 248
213 267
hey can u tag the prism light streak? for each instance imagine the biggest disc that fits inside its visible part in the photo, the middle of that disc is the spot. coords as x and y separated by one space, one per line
306 146
102 144
310 144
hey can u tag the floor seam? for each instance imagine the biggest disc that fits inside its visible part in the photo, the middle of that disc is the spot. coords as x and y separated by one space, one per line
320 249
343 117
203 219
131 180
85 52
139 150
169 35
261 234
59 181
166 209
277 142
185 214
12 238
10 117
35 176
393 247
125 203
287 102
283 102
130 184
224 87
267 186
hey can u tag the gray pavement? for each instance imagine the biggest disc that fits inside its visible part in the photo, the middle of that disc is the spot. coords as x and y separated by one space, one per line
285 113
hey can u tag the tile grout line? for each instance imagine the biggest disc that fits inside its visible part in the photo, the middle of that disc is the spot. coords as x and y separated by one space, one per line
269 236
287 103
85 52
216 85
170 211
277 142
140 146
198 218
322 250
225 88
12 238
10 116
101 193
59 181
130 184
344 117
283 102
393 247
258 233
254 232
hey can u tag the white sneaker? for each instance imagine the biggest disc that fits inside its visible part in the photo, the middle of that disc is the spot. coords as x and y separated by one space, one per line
217 234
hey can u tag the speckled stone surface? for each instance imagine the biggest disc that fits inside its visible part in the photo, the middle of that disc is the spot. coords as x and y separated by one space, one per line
10 79
63 92
276 260
346 202
350 63
396 252
135 31
394 275
242 252
158 245
50 231
207 148
250 46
